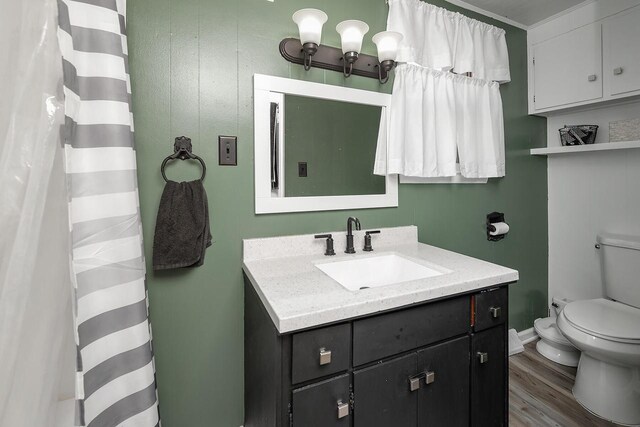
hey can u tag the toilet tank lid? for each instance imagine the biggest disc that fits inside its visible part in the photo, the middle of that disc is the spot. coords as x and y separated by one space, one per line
619 240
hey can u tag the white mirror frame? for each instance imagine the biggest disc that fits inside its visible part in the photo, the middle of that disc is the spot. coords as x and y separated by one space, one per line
268 88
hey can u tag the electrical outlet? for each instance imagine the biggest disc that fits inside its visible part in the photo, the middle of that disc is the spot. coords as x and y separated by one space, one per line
302 169
227 150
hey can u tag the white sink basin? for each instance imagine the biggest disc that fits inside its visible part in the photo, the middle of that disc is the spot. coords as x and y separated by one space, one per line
376 271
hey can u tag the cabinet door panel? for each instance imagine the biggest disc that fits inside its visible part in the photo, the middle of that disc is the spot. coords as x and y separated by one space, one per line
488 378
622 50
443 398
317 405
382 395
568 68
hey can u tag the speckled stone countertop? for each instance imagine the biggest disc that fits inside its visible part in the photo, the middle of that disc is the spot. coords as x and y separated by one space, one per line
298 295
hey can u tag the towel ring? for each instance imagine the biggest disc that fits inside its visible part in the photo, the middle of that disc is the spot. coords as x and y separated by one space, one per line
182 151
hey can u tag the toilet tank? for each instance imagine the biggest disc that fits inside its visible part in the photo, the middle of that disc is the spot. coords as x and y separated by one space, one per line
620 262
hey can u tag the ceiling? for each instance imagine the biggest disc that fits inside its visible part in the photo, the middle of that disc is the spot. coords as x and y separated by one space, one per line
523 12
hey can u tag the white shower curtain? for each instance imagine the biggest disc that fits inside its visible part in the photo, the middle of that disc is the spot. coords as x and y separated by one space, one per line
36 335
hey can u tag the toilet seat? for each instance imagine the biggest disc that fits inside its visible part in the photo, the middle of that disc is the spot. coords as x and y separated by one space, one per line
605 319
546 328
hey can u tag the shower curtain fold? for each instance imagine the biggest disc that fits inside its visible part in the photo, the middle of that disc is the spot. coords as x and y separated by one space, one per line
115 367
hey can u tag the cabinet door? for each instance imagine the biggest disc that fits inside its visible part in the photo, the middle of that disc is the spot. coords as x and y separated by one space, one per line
443 398
488 378
622 52
383 396
568 68
323 404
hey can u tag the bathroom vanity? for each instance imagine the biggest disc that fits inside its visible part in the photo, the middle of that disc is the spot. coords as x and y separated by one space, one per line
427 351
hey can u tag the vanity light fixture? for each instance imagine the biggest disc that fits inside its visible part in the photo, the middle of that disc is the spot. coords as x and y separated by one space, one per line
387 43
310 22
308 52
351 33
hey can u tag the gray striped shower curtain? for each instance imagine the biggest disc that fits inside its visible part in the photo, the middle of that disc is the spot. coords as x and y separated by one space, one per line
115 383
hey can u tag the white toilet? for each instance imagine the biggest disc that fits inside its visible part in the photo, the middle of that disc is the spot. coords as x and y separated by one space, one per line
552 344
607 332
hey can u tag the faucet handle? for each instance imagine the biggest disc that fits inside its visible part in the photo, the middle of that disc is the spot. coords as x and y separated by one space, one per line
329 251
367 240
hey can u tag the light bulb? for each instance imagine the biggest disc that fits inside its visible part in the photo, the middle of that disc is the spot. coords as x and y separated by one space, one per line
387 43
351 34
310 22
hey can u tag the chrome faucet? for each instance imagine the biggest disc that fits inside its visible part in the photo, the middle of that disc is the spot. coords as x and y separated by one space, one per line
350 221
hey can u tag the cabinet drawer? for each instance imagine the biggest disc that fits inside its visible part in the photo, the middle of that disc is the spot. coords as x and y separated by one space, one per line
491 308
320 352
381 336
325 404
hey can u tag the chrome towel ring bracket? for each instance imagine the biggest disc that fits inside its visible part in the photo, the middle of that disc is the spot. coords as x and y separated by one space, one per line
182 150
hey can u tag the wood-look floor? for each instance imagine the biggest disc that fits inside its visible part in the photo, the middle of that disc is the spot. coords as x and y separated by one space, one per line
540 393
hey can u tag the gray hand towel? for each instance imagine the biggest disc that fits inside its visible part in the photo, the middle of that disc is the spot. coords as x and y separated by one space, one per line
182 226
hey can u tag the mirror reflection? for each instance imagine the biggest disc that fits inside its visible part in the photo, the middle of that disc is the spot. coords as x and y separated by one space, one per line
323 148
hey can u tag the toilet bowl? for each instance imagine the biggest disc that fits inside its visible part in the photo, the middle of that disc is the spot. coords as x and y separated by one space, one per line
552 344
607 333
608 379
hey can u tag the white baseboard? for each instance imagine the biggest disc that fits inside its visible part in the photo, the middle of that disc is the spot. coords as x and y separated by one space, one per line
527 336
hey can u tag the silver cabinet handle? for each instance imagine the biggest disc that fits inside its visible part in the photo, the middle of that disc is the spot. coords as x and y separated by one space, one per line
483 357
617 71
429 377
325 356
495 312
592 77
414 383
343 409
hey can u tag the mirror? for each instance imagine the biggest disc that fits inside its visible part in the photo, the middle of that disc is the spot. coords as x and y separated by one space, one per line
315 147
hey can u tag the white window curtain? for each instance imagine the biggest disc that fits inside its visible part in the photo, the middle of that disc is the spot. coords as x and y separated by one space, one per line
437 116
437 38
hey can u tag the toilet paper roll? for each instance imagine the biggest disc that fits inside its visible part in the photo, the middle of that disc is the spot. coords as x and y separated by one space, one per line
500 228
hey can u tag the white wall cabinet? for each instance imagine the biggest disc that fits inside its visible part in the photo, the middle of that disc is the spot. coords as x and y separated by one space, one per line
568 68
593 63
622 53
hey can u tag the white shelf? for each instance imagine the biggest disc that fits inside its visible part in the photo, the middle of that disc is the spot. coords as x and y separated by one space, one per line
606 146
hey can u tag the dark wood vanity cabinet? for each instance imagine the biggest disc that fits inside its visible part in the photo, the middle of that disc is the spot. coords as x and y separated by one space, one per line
439 363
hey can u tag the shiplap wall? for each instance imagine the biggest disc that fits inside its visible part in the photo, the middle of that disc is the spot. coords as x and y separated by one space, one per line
589 193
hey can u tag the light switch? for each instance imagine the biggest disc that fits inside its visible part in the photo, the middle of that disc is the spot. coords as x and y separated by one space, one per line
227 150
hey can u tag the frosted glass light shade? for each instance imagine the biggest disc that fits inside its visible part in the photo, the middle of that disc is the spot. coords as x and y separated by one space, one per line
387 43
310 22
351 33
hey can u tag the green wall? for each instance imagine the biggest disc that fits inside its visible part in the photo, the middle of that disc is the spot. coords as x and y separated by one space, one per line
338 142
191 65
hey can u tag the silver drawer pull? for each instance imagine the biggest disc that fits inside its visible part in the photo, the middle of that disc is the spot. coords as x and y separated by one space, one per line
592 77
429 377
343 409
414 383
483 357
495 312
325 356
617 71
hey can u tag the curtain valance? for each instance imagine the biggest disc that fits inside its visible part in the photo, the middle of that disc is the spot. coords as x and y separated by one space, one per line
437 38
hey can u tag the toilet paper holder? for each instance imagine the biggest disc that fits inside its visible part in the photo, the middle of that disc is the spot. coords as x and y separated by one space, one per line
493 218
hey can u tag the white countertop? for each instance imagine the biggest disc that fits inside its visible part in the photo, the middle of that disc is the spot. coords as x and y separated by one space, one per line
298 295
